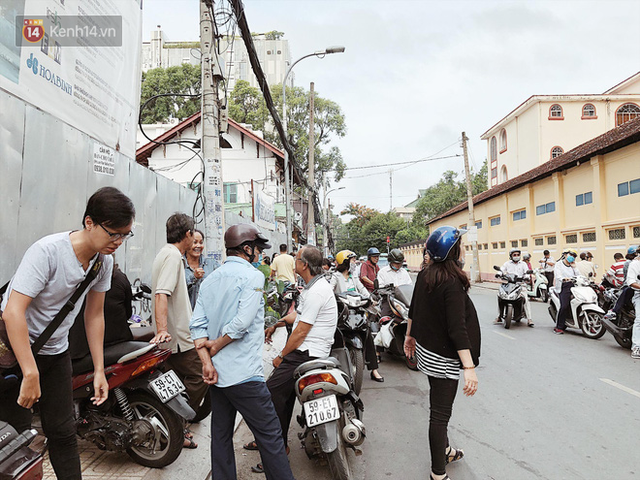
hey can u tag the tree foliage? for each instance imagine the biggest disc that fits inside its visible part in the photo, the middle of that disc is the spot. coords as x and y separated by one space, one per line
361 213
369 228
183 79
447 193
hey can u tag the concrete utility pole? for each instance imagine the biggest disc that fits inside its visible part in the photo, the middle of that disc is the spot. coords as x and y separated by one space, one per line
390 189
311 224
473 230
210 142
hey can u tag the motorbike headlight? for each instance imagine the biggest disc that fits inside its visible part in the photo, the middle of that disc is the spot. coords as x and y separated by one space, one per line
512 296
400 309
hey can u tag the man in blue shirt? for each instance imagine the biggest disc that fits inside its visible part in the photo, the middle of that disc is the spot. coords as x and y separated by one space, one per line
227 328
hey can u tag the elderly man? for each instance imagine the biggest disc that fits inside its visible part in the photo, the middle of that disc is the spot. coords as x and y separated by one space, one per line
228 330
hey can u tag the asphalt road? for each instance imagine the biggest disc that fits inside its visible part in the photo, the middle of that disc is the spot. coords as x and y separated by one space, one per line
548 407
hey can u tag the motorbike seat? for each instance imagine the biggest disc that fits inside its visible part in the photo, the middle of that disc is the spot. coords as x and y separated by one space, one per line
320 363
118 353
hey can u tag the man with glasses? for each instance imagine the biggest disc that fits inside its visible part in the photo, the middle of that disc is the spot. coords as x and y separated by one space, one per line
171 309
47 277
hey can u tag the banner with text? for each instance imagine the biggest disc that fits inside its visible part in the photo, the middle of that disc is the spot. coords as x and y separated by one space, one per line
264 213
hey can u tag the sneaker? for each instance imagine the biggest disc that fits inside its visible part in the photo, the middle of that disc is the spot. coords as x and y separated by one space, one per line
558 331
635 352
610 315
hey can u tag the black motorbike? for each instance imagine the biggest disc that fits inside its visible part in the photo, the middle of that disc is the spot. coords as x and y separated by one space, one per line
17 460
352 322
511 297
622 326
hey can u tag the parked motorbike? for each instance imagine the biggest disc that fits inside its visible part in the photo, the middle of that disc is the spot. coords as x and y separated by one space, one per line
17 460
511 297
540 287
352 322
145 412
331 410
585 312
393 328
622 326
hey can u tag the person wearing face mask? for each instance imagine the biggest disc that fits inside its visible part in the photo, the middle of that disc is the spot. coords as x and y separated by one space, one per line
196 266
565 272
345 280
515 266
394 273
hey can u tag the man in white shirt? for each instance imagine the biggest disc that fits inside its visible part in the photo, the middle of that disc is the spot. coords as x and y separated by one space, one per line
312 336
393 274
516 267
565 271
585 266
547 264
633 282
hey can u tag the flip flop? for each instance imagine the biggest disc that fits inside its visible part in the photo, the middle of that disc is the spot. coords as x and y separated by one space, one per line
250 446
257 469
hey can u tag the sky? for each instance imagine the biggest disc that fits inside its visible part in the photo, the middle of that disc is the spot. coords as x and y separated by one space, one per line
416 74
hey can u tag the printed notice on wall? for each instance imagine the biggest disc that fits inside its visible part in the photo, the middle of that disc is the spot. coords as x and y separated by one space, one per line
103 160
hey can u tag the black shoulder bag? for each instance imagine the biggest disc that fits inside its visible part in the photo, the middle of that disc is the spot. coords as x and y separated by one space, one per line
8 361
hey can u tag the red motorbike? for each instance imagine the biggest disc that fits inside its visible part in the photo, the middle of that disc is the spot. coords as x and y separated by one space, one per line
145 413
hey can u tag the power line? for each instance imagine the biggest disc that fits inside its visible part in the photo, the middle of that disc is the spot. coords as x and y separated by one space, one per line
409 162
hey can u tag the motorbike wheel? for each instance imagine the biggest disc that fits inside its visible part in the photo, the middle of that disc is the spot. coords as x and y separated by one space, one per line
411 362
545 296
508 316
204 409
166 445
357 362
553 312
338 460
623 342
591 325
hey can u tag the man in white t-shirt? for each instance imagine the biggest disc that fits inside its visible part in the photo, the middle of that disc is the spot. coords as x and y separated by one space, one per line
312 336
393 274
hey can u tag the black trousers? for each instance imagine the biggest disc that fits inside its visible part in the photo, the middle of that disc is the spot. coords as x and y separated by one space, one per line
56 413
565 305
625 297
281 384
370 355
549 276
441 396
253 401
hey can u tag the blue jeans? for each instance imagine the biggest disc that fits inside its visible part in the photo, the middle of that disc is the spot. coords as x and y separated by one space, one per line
253 401
635 335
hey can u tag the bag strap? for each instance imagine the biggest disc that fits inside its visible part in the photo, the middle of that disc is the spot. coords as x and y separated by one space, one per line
4 288
68 307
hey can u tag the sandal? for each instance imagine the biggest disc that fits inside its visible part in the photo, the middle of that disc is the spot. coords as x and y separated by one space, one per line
454 455
446 477
257 469
189 443
530 324
250 446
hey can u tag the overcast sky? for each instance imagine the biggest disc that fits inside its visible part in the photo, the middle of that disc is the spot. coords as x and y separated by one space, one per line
416 74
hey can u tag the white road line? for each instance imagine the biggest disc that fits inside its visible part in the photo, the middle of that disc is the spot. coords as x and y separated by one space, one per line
505 335
621 387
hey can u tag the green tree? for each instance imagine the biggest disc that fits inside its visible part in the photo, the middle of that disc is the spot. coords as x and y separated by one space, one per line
412 233
364 232
184 79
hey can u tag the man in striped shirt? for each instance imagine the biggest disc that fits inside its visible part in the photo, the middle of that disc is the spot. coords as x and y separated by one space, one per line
616 271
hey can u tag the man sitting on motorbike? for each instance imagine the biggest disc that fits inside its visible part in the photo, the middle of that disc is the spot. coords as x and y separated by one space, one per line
565 272
516 267
633 282
626 294
369 269
393 274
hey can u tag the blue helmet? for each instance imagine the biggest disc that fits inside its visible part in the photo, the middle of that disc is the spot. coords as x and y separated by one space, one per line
372 252
441 241
633 249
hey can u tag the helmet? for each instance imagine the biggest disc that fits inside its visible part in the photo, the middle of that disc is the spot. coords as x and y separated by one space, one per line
441 241
526 256
570 251
243 233
633 249
513 251
373 252
395 256
344 256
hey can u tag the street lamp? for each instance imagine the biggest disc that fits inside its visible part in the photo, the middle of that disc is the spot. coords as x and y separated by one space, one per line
319 54
325 232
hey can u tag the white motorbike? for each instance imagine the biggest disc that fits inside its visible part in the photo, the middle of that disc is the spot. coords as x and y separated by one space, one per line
585 312
331 410
540 287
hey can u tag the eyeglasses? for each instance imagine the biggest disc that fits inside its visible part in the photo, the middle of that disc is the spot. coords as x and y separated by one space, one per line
117 236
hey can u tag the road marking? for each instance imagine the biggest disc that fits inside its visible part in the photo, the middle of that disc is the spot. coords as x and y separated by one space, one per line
505 335
621 387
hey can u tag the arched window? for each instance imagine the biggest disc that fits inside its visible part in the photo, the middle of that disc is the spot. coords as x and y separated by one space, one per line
555 112
494 149
627 112
556 152
588 111
503 140
503 174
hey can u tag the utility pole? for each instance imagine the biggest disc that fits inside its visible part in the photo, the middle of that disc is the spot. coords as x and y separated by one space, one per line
210 141
390 189
311 224
473 230
325 224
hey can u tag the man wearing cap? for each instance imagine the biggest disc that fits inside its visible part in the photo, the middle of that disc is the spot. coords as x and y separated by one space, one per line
227 328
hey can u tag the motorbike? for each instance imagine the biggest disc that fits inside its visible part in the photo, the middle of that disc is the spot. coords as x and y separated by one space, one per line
17 460
145 413
540 287
392 329
511 297
622 326
352 322
585 312
331 410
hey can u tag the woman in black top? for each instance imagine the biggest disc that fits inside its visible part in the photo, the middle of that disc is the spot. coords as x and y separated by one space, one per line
444 334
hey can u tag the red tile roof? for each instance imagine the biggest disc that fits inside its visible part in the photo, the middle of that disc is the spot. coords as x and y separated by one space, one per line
612 140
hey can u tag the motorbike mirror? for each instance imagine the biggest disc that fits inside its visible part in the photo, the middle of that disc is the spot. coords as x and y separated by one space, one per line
497 268
145 288
498 275
376 284
590 274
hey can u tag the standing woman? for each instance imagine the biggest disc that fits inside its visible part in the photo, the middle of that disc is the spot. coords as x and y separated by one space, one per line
444 333
196 266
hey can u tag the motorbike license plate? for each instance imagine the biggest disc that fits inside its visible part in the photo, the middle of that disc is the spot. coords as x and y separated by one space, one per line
321 410
167 386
